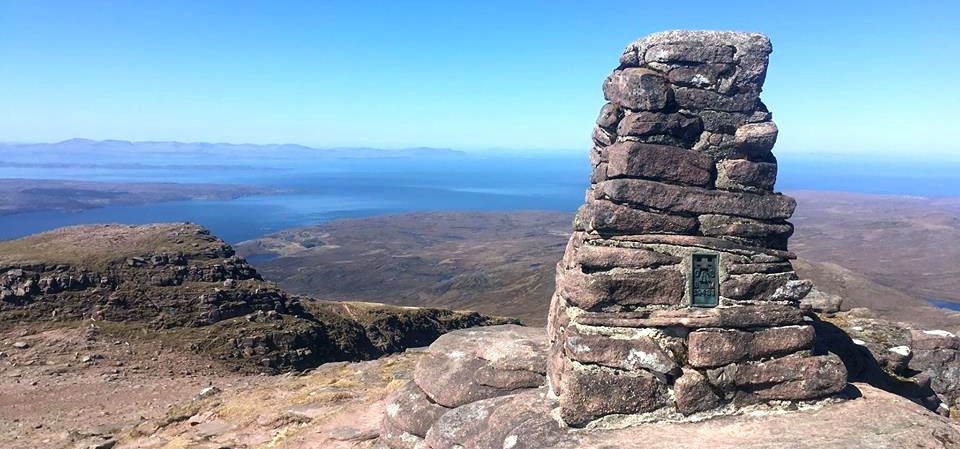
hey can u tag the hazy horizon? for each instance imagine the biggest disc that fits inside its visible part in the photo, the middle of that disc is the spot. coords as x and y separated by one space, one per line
866 78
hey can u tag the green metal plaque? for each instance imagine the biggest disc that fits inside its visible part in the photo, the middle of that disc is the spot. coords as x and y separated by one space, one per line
704 281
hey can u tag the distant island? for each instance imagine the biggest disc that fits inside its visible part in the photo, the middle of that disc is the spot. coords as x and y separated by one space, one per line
97 150
33 195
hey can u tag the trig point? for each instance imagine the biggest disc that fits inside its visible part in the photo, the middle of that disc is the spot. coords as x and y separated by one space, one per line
676 295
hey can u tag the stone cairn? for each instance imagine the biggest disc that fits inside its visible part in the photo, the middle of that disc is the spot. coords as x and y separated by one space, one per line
676 295
675 300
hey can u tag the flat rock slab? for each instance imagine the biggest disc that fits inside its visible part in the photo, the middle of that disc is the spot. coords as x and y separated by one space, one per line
876 420
473 364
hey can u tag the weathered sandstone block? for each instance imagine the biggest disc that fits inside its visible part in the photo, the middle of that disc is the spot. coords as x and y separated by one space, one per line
694 200
684 128
791 378
734 317
662 286
603 137
757 286
756 138
693 393
763 233
600 258
609 218
741 174
634 159
696 99
628 354
474 364
593 392
409 410
397 438
638 89
610 116
708 348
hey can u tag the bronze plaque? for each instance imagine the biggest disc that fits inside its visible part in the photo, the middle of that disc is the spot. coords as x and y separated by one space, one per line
704 281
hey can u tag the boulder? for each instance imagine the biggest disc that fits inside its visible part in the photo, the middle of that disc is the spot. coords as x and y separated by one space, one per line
410 410
519 421
473 364
396 438
819 301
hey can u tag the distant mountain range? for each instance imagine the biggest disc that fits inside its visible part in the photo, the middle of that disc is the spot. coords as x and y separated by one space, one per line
75 147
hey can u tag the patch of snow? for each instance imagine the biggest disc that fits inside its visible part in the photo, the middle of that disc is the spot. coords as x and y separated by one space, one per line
509 442
857 328
902 350
806 318
456 354
859 342
939 333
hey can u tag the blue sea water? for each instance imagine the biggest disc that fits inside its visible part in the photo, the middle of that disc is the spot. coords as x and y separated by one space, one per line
317 190
339 189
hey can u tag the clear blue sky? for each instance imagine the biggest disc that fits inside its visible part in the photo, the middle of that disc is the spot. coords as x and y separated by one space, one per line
845 77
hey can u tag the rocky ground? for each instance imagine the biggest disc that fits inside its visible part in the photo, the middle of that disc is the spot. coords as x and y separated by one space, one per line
80 384
106 330
342 405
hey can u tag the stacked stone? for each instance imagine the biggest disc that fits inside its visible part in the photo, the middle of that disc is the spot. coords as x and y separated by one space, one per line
682 167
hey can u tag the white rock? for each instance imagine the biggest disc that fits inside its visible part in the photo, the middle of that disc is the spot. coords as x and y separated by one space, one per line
207 392
902 350
939 333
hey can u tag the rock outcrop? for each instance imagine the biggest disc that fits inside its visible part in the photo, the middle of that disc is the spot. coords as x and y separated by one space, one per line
180 282
676 294
920 364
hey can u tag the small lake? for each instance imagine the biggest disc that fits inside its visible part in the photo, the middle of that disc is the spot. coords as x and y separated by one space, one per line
949 305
